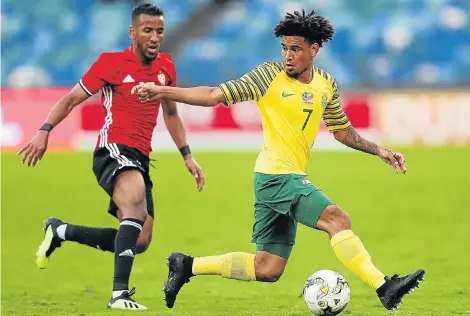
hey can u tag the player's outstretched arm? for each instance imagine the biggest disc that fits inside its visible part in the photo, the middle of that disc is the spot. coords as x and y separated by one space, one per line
178 134
36 148
201 96
351 138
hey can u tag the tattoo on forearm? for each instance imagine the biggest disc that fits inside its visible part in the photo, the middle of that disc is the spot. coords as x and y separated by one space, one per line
356 141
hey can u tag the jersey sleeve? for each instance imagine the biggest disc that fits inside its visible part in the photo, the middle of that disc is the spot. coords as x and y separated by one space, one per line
172 74
170 68
98 76
252 85
334 116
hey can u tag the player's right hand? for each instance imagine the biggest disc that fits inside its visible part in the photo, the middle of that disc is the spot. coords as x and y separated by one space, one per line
147 92
35 148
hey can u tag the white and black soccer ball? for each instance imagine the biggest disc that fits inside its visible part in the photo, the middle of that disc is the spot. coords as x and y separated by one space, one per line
326 292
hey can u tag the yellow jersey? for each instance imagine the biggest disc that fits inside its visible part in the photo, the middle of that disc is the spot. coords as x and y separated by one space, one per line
290 113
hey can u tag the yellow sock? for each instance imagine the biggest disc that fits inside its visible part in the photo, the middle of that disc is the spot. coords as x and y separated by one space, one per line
352 253
234 265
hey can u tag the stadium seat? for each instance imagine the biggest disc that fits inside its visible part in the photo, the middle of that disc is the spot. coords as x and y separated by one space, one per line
419 43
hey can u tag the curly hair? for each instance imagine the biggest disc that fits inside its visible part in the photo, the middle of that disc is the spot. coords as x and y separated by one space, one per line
312 27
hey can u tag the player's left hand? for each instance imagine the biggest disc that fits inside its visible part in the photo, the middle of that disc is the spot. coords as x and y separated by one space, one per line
146 91
393 158
195 170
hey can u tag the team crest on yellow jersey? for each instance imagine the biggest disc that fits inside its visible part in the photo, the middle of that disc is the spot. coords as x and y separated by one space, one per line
324 100
307 97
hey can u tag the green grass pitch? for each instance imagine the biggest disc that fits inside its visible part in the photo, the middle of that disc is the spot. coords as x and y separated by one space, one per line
420 220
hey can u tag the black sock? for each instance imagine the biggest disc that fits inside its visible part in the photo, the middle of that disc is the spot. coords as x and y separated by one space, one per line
100 238
125 244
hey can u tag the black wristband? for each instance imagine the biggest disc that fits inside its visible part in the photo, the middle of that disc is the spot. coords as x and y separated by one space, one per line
185 150
46 127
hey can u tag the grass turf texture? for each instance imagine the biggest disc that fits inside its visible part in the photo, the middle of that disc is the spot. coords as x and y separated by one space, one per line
420 220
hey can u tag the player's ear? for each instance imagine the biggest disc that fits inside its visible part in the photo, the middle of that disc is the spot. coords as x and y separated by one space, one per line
132 32
314 49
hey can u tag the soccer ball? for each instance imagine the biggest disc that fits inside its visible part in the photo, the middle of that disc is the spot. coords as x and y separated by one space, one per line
326 292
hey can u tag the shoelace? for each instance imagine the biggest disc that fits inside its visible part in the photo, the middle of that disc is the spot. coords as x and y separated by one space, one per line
394 277
130 293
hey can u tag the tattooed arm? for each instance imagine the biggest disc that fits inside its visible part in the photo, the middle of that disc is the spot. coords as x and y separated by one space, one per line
351 138
338 123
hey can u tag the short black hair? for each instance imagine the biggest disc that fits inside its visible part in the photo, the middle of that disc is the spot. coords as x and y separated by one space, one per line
312 27
146 8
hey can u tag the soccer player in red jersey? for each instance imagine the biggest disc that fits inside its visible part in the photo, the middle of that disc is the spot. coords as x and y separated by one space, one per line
121 157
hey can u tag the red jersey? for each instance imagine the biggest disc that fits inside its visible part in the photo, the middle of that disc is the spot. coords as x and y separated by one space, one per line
128 122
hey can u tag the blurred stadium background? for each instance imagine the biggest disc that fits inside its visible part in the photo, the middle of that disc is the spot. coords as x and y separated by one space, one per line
387 56
403 67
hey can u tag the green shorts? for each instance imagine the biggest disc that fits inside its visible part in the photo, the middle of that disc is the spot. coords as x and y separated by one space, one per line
281 201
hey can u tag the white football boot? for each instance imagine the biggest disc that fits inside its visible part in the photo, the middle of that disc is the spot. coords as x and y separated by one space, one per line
125 301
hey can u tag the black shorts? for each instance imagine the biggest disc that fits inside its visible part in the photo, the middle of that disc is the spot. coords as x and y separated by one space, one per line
109 161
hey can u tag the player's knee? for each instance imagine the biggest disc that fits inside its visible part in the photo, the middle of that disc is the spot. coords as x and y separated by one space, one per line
143 243
343 221
268 274
271 277
138 205
137 209
129 194
269 268
137 198
334 220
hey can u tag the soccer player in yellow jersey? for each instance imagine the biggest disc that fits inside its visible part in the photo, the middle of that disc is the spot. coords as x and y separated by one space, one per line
292 98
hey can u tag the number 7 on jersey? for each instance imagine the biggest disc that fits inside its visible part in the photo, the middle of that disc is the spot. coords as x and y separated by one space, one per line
309 111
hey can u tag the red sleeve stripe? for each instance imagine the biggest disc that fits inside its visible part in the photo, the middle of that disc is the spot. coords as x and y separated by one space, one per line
84 88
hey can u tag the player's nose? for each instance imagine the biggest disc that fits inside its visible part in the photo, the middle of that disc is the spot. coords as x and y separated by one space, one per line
154 38
153 42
